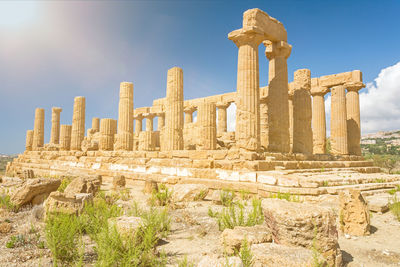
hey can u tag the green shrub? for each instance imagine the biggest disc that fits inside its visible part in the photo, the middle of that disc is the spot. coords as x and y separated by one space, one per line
394 190
62 236
286 196
227 196
185 263
245 254
395 208
6 203
161 197
16 241
64 183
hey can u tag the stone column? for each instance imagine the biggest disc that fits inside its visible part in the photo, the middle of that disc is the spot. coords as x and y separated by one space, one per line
38 129
149 122
264 128
278 104
108 128
161 121
138 123
248 90
125 118
207 128
319 119
29 140
222 125
189 114
96 124
173 131
353 117
302 112
65 137
147 141
290 98
78 123
339 145
55 125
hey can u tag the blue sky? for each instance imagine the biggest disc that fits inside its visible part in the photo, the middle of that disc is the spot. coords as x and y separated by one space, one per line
60 50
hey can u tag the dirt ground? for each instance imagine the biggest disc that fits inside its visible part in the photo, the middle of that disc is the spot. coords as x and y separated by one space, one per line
193 234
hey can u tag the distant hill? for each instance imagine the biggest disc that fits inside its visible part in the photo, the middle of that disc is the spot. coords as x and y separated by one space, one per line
4 158
381 143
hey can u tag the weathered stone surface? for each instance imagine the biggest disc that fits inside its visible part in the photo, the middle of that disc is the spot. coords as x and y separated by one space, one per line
189 192
339 145
353 117
55 125
126 225
65 137
378 203
84 185
108 129
124 139
149 186
78 123
28 174
214 261
119 181
232 239
289 226
34 187
275 255
206 126
29 140
5 227
354 214
68 203
38 130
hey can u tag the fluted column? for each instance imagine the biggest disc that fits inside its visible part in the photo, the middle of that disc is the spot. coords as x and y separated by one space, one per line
138 123
189 114
147 141
173 131
319 119
248 90
264 127
339 145
125 118
96 124
55 125
222 125
108 128
78 123
207 128
278 109
38 129
29 140
65 137
353 117
290 99
149 122
302 112
161 121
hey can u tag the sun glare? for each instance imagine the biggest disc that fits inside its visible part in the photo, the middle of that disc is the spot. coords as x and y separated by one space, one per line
17 13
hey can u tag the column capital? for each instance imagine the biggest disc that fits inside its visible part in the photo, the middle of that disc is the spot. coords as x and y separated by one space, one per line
148 115
321 90
247 35
277 49
222 105
160 114
189 109
354 86
56 109
138 116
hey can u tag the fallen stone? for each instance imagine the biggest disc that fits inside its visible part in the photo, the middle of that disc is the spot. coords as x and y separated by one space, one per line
125 225
353 215
32 188
119 181
68 203
305 225
232 239
84 185
28 174
274 255
378 203
149 186
189 192
214 261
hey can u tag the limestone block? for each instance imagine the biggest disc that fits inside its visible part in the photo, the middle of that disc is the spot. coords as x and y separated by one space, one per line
340 78
207 261
65 137
66 203
29 140
78 123
150 186
55 125
222 124
84 185
291 227
118 181
206 126
189 192
89 145
38 129
29 174
354 215
96 124
232 239
147 141
33 187
124 140
108 128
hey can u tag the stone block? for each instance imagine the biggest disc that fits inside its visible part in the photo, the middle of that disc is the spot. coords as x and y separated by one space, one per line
354 215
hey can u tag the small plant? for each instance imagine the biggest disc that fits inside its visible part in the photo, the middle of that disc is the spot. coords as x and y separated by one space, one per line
5 203
325 183
394 190
244 194
185 263
322 169
64 183
201 195
379 180
316 255
16 241
125 194
226 197
395 208
245 254
161 197
287 196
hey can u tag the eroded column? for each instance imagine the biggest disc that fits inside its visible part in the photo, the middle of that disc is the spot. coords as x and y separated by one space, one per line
173 131
319 119
78 123
353 117
65 137
29 140
339 145
38 129
302 112
222 125
149 122
248 90
189 114
55 125
108 128
207 128
96 124
278 103
125 118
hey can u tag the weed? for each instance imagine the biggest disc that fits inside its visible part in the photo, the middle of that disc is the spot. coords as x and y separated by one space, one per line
378 180
395 208
125 194
5 203
244 194
245 254
185 263
325 183
201 195
316 255
394 190
286 196
62 235
322 169
226 197
64 183
161 197
16 241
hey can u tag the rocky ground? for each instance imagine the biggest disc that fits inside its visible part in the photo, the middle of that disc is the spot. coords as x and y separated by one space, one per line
194 235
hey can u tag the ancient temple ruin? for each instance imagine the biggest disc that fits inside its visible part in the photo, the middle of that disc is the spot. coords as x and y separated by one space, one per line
280 135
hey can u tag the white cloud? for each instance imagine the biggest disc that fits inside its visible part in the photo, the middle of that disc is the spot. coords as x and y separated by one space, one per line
231 117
